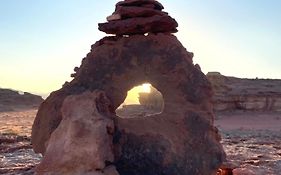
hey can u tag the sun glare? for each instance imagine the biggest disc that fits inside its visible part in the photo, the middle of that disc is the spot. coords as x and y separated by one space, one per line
133 94
146 87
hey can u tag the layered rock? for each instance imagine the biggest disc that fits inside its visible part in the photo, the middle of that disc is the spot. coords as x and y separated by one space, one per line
181 140
138 17
245 94
13 100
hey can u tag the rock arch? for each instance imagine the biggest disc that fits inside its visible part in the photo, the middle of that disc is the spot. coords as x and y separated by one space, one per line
181 140
185 126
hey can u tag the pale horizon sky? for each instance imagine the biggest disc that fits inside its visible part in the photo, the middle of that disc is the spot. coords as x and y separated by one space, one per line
42 41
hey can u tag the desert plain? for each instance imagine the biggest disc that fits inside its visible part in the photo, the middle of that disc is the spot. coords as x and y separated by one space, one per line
251 140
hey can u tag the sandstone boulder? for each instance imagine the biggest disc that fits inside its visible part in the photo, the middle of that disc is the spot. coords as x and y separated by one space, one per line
86 123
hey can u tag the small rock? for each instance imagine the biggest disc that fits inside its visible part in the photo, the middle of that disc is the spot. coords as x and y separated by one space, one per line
113 17
76 69
156 4
132 12
227 168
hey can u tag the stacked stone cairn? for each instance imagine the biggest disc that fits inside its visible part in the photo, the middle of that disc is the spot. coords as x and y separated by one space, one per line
139 17
78 131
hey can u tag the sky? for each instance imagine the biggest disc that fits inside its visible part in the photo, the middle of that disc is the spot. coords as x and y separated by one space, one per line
41 41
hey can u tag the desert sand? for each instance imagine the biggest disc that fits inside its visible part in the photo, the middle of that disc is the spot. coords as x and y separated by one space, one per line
251 141
16 154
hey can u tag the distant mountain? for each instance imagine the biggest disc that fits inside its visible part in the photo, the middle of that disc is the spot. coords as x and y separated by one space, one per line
231 93
11 100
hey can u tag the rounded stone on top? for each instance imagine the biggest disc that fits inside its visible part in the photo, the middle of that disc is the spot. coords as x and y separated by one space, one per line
141 3
132 12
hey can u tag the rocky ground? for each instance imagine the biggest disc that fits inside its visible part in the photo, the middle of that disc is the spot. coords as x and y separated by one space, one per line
251 140
16 154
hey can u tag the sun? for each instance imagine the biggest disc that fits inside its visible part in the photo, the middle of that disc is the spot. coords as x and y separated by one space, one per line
133 94
146 87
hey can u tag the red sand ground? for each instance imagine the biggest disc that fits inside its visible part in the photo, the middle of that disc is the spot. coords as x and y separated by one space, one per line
252 141
249 121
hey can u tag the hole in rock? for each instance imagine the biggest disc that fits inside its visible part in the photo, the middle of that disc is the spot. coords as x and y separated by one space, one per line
143 100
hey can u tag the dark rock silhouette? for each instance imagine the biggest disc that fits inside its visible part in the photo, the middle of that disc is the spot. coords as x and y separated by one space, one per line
181 140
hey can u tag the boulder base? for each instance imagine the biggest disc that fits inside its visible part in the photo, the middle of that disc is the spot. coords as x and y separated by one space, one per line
82 143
